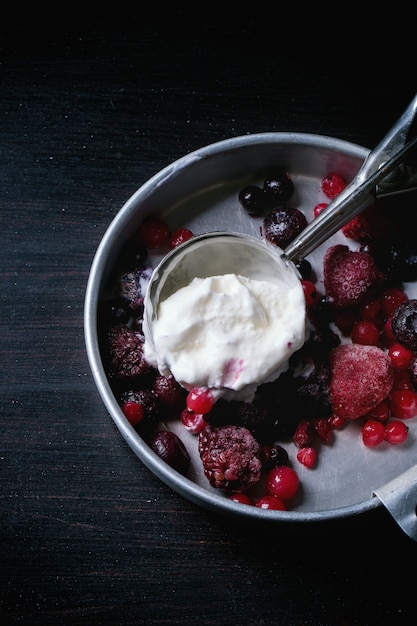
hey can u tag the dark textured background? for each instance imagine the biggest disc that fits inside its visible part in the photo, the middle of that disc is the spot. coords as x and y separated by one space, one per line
92 104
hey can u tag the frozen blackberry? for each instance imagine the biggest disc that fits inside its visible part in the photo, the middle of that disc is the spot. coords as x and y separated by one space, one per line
404 324
112 312
170 448
282 225
170 394
124 352
231 457
131 286
257 419
313 393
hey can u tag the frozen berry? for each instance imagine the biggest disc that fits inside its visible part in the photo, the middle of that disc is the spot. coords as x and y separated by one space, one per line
282 225
373 433
200 400
154 233
179 236
362 376
241 498
132 285
253 200
168 391
169 447
279 188
396 432
231 457
403 403
307 456
193 422
365 332
404 324
134 412
282 482
125 353
350 277
333 184
271 503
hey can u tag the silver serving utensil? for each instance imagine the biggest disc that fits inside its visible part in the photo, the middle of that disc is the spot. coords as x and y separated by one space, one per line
379 171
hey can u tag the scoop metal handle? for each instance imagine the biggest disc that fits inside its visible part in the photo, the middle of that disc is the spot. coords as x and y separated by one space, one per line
361 192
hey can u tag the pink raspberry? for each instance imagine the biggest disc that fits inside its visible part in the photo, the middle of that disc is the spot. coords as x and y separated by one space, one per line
349 277
362 377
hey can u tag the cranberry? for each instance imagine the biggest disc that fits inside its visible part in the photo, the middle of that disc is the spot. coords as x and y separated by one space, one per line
391 300
154 233
133 411
169 447
396 432
365 332
271 502
282 481
381 412
401 357
242 498
373 433
403 403
333 184
200 400
179 236
193 422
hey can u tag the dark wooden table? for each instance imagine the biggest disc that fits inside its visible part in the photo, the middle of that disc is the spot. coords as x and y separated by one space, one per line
91 106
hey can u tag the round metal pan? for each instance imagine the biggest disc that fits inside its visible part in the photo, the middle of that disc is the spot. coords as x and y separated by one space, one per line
200 191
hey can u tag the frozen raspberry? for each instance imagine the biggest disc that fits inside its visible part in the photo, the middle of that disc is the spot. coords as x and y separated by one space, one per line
231 457
282 225
362 376
125 353
349 277
404 324
371 224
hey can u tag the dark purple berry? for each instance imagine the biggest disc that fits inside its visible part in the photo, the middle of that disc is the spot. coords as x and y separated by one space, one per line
169 447
279 188
282 225
273 456
404 324
253 200
168 391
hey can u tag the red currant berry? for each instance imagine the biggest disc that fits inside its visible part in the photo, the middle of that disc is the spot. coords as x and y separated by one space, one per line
371 310
271 502
387 336
380 412
403 403
373 433
133 411
365 332
282 482
154 233
400 356
402 380
319 208
307 457
391 300
200 400
336 421
310 293
193 422
242 498
396 432
333 184
179 236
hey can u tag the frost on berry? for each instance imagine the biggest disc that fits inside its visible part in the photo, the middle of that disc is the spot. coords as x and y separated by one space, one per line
362 377
231 457
350 277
